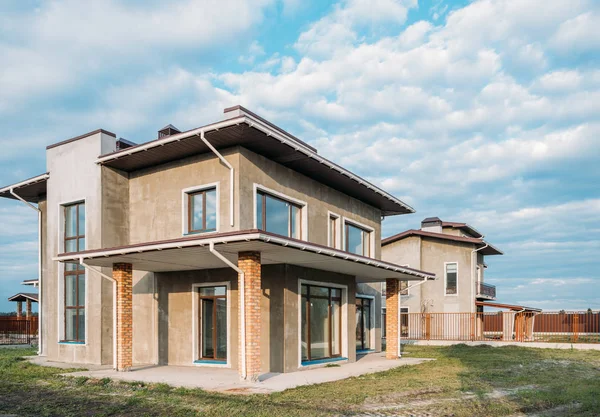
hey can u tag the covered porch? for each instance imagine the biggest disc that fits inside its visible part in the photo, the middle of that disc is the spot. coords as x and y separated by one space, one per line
252 290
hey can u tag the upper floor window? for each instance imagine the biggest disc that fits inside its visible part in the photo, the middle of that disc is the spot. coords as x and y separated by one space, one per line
74 216
276 215
333 230
201 210
451 279
358 240
74 274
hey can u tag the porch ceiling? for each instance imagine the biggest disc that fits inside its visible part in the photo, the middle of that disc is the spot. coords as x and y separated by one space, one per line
193 253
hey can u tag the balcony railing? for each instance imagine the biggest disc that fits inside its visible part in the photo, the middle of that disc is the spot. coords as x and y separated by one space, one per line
486 290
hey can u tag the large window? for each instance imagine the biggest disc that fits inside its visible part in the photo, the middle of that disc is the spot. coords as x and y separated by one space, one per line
202 211
74 277
321 322
278 216
213 323
358 240
451 279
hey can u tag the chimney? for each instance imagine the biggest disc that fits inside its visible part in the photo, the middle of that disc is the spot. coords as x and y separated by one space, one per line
432 224
168 130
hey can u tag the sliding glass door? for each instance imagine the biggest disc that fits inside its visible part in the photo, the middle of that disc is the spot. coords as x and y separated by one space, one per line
213 323
321 312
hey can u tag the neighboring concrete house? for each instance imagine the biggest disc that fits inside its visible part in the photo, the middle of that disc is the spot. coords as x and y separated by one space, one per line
455 253
231 245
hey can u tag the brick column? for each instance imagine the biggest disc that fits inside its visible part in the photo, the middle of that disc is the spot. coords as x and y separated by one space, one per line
249 263
392 292
19 309
123 274
28 308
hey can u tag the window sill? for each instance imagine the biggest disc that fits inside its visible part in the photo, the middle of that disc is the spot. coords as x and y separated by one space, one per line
65 342
323 361
199 233
211 362
365 350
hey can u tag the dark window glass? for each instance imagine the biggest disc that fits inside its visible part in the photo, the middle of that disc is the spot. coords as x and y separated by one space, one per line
278 216
202 211
357 240
213 322
74 276
321 322
451 278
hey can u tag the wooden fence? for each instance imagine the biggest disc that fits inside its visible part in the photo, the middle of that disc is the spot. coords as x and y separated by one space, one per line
18 331
571 327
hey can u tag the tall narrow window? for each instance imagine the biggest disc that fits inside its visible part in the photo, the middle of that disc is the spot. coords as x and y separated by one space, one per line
332 231
278 216
202 211
213 323
74 278
321 312
451 278
363 323
358 240
404 319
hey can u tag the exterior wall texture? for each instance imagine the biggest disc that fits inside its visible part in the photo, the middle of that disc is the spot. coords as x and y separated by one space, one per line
431 255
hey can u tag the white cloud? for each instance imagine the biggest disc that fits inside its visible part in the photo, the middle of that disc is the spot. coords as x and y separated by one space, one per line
337 31
579 34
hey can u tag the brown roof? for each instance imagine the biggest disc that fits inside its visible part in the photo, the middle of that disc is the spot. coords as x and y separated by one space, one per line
23 296
489 250
241 236
32 190
264 138
464 226
512 307
85 135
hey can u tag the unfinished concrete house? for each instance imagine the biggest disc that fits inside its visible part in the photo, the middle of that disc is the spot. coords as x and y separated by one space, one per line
232 245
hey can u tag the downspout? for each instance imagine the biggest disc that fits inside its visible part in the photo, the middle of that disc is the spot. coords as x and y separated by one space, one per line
39 213
472 269
233 266
231 174
114 282
399 316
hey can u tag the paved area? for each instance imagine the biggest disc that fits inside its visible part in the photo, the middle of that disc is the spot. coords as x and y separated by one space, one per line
227 380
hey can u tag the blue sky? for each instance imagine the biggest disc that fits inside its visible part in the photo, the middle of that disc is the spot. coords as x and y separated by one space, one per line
486 112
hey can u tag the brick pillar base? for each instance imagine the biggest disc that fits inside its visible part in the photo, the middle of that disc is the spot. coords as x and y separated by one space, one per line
392 292
249 263
19 309
28 308
123 274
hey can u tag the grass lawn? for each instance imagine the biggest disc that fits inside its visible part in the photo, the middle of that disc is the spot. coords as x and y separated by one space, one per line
463 381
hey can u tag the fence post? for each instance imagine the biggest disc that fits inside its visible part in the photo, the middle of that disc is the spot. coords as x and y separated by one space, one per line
575 326
472 327
427 326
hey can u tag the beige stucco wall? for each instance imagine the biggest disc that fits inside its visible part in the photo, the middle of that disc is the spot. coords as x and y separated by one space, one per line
431 255
74 176
319 198
155 195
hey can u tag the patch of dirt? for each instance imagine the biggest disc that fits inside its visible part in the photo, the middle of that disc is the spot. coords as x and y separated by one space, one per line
559 411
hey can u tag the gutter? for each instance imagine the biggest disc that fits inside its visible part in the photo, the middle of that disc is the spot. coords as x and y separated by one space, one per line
253 122
242 290
231 174
39 213
114 282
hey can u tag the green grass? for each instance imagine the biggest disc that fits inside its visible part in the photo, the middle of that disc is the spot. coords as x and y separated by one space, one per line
462 381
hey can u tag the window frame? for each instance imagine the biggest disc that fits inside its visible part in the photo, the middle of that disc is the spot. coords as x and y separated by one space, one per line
446 279
372 323
365 229
186 207
343 317
196 325
333 218
77 272
261 192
